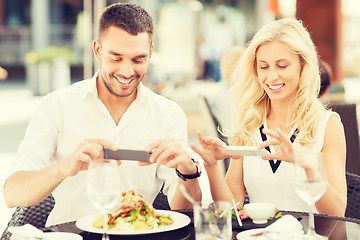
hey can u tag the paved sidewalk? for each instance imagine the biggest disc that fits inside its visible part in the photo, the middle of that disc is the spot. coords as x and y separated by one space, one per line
16 107
5 211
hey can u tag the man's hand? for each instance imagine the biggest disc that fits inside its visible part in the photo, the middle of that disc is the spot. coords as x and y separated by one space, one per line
170 153
87 150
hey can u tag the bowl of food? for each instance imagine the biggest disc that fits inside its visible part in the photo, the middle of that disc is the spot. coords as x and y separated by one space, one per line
259 212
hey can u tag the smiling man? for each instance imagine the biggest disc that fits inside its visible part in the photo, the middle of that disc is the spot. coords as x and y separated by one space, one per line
114 110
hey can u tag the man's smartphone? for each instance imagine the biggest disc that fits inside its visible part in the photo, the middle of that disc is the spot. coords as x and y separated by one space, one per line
127 154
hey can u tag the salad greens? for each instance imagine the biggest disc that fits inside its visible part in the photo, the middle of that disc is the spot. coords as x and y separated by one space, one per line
133 213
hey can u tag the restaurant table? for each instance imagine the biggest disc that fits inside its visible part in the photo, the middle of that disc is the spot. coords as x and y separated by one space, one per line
336 228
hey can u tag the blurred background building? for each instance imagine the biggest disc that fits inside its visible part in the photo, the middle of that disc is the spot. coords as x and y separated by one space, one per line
47 44
28 26
190 35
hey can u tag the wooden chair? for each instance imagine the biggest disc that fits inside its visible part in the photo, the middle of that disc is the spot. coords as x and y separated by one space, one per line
347 112
35 215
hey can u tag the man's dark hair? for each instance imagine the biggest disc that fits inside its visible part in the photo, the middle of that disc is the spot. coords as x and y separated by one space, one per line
129 17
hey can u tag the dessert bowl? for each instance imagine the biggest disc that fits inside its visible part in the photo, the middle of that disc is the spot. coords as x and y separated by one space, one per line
259 212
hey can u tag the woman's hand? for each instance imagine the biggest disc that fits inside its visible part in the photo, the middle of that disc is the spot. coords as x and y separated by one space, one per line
212 149
286 148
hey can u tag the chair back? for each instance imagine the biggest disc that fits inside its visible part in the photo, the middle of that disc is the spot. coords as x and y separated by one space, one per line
161 201
35 215
214 127
212 119
348 116
353 196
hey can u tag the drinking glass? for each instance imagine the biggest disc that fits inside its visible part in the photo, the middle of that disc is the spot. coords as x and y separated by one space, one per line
103 187
214 222
310 185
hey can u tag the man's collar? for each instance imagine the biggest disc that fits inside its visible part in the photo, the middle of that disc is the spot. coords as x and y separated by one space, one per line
91 87
142 93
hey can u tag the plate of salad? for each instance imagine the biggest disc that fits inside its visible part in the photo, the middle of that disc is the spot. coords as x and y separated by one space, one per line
133 216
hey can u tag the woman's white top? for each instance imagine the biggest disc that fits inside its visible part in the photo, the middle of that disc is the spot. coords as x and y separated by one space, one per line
264 185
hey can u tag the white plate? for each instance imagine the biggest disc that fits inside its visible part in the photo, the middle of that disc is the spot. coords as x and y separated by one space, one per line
61 236
179 220
246 234
245 151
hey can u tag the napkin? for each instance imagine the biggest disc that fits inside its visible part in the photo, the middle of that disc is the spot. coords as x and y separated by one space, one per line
29 232
286 227
26 231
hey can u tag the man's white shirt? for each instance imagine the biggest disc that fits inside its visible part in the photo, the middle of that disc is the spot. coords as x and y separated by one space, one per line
68 116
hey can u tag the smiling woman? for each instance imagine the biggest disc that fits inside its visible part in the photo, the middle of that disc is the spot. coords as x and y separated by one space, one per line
275 87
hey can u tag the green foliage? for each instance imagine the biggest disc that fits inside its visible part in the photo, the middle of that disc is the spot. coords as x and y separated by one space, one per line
233 214
278 215
48 55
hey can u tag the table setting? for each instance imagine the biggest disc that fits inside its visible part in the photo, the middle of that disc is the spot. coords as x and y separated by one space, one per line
220 220
336 228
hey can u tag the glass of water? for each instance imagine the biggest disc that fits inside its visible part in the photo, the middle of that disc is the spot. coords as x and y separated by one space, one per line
103 187
310 185
213 222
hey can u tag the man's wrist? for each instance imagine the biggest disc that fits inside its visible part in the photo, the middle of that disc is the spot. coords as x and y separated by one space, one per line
197 174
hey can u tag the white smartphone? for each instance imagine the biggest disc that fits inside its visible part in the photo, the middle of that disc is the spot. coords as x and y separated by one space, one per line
245 151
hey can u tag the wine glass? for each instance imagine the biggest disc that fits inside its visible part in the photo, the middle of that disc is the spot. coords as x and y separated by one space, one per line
103 187
310 185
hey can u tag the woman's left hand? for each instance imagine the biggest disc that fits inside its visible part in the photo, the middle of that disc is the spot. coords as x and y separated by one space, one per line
278 138
212 149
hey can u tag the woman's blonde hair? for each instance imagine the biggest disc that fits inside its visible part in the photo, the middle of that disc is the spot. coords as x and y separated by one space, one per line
252 102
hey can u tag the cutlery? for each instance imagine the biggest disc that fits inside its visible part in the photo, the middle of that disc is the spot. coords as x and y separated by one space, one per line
187 196
223 213
237 213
